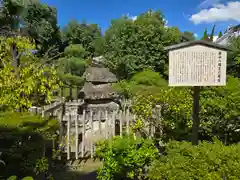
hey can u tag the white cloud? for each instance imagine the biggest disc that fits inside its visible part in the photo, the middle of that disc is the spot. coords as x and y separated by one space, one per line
219 12
195 35
208 3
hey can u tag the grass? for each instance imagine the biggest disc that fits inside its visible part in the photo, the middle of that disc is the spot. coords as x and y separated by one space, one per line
24 121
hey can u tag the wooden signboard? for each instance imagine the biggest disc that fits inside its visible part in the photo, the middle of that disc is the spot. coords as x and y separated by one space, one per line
197 63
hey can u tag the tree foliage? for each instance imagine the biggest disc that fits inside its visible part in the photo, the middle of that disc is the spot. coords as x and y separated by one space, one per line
234 57
205 35
220 34
132 46
12 12
189 35
212 33
34 19
81 33
72 65
40 21
125 158
20 86
208 161
23 138
218 114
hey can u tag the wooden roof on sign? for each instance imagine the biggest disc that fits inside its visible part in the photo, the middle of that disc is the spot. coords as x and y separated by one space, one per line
196 42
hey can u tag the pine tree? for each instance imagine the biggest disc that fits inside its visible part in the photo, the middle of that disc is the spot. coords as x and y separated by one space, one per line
205 36
212 33
220 34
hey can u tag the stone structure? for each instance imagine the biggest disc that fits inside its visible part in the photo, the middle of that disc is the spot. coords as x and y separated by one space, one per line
97 92
96 115
90 118
99 97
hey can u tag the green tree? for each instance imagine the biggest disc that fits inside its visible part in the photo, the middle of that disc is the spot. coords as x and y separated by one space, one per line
12 12
40 21
205 35
99 46
72 66
82 33
132 46
146 81
189 35
33 19
20 85
220 34
212 33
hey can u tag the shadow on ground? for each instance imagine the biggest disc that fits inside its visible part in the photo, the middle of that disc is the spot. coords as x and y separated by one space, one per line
73 175
85 170
89 176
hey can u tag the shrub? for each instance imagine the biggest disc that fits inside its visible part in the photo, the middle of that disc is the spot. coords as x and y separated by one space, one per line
15 178
125 157
24 140
207 161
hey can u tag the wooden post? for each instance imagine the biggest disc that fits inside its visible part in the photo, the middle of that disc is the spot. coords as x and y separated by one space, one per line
76 134
68 136
133 121
106 124
43 113
113 123
91 139
83 133
121 121
195 115
160 120
44 143
127 118
99 122
110 122
60 118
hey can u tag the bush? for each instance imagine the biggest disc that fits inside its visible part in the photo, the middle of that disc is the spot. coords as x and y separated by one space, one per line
208 161
23 142
125 158
15 178
219 107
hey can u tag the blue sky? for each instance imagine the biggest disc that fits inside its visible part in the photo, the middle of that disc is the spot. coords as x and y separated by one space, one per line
191 15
